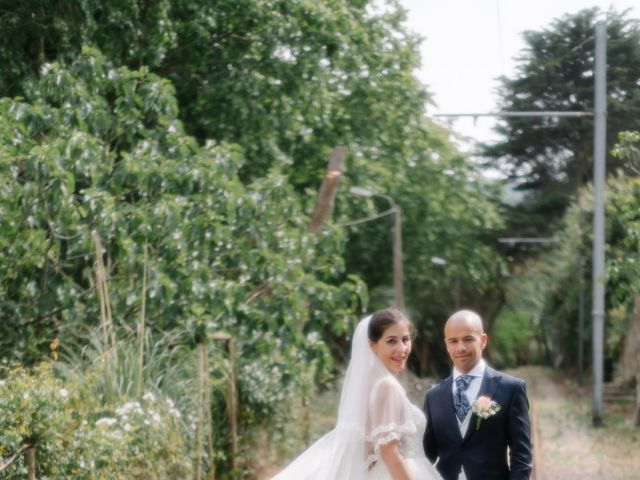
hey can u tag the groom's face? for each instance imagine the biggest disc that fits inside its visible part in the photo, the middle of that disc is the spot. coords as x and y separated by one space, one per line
465 342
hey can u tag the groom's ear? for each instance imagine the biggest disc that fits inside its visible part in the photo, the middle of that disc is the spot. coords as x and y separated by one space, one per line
484 339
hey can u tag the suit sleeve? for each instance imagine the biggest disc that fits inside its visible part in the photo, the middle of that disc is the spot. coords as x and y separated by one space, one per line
519 431
429 441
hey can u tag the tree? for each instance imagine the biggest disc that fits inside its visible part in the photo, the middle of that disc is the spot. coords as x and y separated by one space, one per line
286 81
547 289
448 211
199 132
130 33
550 158
280 84
94 147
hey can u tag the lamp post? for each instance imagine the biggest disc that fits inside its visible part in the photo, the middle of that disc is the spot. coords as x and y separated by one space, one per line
398 281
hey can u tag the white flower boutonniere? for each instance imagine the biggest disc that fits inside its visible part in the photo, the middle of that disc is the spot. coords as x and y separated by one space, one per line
484 408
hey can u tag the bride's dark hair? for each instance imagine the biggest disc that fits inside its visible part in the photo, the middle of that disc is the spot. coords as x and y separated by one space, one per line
383 319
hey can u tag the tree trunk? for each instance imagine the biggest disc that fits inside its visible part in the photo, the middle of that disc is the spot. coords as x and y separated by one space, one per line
630 364
328 190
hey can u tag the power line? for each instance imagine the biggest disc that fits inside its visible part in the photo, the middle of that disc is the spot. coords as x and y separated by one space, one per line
544 113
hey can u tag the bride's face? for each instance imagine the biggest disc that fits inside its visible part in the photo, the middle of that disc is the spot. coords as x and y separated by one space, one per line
394 347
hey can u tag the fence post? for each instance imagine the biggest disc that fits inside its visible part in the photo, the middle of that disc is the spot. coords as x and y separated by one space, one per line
30 455
233 397
209 421
200 352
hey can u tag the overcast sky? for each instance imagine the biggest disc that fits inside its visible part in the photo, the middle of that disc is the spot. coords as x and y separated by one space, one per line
469 43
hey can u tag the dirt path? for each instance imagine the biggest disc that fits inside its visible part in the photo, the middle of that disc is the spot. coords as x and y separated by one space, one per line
567 446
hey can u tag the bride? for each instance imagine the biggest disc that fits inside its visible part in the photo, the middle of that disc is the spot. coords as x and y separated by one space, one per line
379 431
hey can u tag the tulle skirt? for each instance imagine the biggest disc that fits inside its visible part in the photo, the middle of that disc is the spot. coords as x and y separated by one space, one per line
336 456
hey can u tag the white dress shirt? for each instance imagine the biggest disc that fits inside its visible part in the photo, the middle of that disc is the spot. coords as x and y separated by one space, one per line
471 392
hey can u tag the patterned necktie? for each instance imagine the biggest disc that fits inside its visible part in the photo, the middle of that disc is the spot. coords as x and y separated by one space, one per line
460 401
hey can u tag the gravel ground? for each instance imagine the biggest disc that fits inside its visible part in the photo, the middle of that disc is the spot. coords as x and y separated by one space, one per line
567 446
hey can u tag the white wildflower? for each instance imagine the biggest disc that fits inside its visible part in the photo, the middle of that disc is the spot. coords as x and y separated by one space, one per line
107 421
129 408
149 397
155 416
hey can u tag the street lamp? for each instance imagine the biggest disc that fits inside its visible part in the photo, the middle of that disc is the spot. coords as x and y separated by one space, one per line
438 261
398 283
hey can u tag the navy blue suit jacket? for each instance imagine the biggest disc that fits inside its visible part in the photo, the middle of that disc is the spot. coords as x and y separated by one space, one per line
499 449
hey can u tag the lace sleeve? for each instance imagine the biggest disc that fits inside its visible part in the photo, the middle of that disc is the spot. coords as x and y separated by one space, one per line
390 417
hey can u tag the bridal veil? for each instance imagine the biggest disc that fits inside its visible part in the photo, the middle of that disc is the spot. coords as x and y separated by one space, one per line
370 414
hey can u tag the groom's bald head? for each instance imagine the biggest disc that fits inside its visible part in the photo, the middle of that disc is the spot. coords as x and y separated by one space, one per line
465 317
465 339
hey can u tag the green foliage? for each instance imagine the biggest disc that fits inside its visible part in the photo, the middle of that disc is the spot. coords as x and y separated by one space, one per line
448 211
623 235
548 288
114 371
550 158
131 32
286 81
76 436
101 148
280 85
96 148
628 149
511 337
624 267
198 133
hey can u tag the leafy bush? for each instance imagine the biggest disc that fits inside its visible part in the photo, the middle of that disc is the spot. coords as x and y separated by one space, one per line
511 336
76 436
548 290
94 149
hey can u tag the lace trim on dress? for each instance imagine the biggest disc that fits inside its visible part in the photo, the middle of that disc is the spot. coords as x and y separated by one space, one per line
385 434
388 438
392 428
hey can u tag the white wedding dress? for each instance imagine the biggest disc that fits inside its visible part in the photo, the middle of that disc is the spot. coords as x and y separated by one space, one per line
374 410
398 420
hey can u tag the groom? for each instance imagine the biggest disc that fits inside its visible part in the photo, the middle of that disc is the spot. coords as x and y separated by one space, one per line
468 447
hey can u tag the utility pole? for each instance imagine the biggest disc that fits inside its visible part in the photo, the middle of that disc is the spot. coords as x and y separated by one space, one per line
394 209
599 169
581 321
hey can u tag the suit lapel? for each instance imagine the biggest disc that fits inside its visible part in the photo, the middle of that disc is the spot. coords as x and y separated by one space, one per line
450 418
488 387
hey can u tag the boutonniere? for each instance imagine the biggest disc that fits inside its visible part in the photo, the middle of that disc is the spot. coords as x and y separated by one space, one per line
484 408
